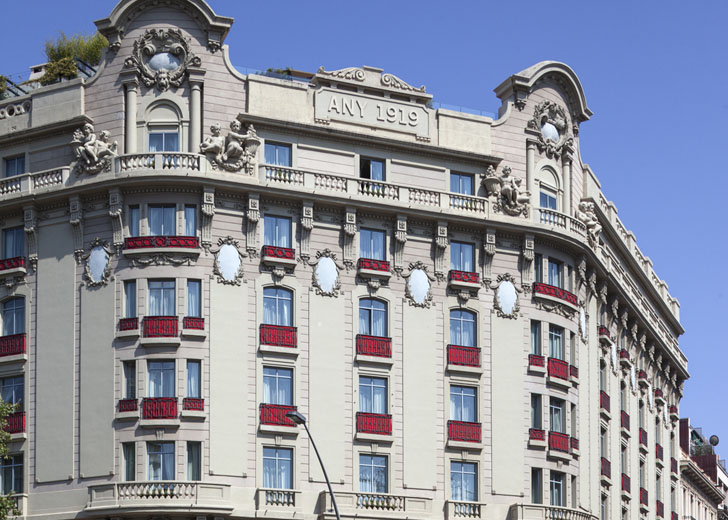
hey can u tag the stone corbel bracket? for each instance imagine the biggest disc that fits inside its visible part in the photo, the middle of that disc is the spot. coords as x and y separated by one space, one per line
30 222
207 212
528 255
488 254
76 221
441 243
306 228
251 232
349 235
400 239
116 208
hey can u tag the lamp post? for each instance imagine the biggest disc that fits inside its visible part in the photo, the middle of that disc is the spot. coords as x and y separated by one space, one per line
299 418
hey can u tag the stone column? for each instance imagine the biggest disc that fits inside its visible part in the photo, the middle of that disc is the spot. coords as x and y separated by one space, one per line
195 117
567 184
530 173
130 126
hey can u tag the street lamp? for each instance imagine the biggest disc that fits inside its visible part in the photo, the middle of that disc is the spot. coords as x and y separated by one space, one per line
299 418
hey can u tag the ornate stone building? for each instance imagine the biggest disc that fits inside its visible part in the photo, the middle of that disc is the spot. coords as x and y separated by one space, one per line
190 253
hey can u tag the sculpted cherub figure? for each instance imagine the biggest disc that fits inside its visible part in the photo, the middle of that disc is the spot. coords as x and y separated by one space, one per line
87 150
215 144
234 147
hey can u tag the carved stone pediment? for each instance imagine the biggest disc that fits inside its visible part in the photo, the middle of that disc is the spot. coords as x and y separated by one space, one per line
371 77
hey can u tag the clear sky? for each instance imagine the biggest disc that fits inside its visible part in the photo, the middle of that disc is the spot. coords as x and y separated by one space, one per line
654 73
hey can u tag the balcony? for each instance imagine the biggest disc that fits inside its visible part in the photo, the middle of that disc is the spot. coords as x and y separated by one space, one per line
193 408
644 498
674 415
659 397
12 267
282 258
674 516
128 328
279 339
12 348
604 337
193 327
463 359
160 331
626 486
642 379
536 364
374 426
374 505
541 512
455 510
558 372
143 250
463 280
604 405
537 438
374 271
574 374
273 419
643 438
659 453
606 473
159 411
660 509
558 445
179 497
462 434
625 423
574 445
16 425
555 294
286 501
673 467
624 360
373 349
127 409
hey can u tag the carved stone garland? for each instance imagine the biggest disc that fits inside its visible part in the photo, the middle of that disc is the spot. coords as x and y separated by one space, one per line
316 281
87 268
218 269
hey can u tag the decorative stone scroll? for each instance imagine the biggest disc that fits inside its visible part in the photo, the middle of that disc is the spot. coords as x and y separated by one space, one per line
116 207
30 225
325 278
228 266
348 238
441 243
587 215
505 298
253 216
419 284
161 58
93 153
400 239
551 124
97 264
76 221
306 228
234 153
506 192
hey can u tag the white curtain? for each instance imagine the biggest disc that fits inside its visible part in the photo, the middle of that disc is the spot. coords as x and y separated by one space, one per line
193 379
372 317
277 388
161 379
190 221
161 221
463 481
130 299
13 315
462 328
134 221
372 395
462 404
194 462
161 460
13 242
557 423
161 298
277 231
193 298
277 472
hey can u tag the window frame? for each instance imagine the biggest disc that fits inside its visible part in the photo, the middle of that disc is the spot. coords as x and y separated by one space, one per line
129 379
291 462
459 177
457 263
458 409
367 235
128 464
371 465
130 303
163 465
278 240
18 313
165 372
274 393
189 390
163 294
16 231
556 342
191 312
366 162
16 470
279 313
461 473
194 474
376 382
164 209
557 404
562 485
276 147
459 322
17 384
537 411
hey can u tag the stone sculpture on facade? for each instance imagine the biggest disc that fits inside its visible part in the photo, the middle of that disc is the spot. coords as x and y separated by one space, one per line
551 123
506 190
588 216
236 152
93 154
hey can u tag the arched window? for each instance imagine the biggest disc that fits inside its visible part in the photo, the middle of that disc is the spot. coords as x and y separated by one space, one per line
277 307
372 317
163 128
548 186
462 328
13 316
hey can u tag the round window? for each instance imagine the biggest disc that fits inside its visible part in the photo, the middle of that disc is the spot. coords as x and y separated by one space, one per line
550 132
164 61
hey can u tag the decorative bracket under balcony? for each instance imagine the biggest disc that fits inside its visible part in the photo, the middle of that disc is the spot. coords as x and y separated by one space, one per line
161 250
568 302
12 270
281 260
375 272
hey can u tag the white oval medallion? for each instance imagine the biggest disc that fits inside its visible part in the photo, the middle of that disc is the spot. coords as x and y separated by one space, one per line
550 132
228 261
582 322
165 61
98 259
326 274
419 286
507 297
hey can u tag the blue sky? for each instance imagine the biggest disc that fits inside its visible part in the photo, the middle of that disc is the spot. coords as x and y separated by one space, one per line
655 77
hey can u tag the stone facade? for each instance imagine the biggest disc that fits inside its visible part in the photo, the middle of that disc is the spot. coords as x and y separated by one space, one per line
205 251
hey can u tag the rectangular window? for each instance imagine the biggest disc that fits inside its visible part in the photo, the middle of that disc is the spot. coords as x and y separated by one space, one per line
536 486
372 394
194 379
129 369
462 328
277 468
162 220
573 420
623 460
161 378
278 386
462 183
163 142
11 474
556 342
134 218
658 432
643 480
536 412
277 231
278 154
642 415
190 221
161 298
573 492
12 390
603 508
13 316
194 460
372 169
622 398
463 481
463 404
557 489
603 446
536 337
373 474
13 242
557 415
602 378
372 244
130 299
129 460
538 268
572 348
548 199
372 317
556 273
462 256
277 307
194 298
15 166
160 461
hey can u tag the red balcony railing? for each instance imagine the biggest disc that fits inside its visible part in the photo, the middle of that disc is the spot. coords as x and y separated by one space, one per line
160 326
373 265
604 400
463 356
275 414
190 322
643 437
674 516
606 468
534 360
463 431
161 241
463 276
278 336
603 333
623 354
673 411
284 253
660 509
644 497
642 375
12 345
559 441
659 394
574 443
658 451
574 372
159 408
376 423
625 420
556 292
373 346
128 405
16 423
558 368
12 263
673 465
536 434
626 483
194 404
128 324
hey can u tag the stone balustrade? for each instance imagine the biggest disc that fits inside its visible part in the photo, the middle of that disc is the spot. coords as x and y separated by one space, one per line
180 496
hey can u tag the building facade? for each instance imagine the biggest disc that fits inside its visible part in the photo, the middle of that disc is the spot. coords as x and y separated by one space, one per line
190 253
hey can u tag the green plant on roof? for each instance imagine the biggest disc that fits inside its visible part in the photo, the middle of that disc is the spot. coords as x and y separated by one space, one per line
3 86
63 51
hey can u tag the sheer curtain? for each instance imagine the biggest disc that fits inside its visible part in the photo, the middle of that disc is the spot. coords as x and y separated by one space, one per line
161 378
557 423
372 317
134 221
161 298
194 461
130 302
161 460
13 315
190 221
13 242
377 245
193 298
462 404
193 379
